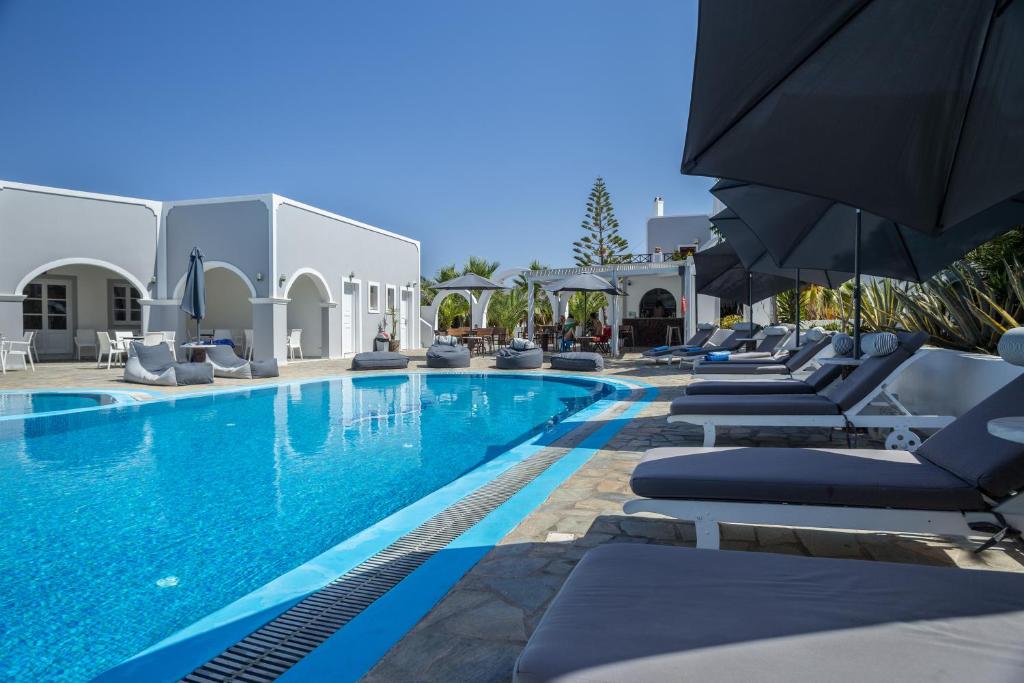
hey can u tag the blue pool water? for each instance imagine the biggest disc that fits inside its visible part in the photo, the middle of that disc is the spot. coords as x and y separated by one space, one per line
45 402
123 526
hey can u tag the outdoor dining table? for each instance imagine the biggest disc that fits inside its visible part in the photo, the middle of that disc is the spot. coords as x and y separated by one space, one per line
192 347
472 341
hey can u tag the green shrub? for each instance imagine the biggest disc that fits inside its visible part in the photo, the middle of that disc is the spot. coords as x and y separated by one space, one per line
728 321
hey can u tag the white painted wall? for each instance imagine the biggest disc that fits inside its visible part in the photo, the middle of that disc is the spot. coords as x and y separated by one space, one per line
305 313
227 302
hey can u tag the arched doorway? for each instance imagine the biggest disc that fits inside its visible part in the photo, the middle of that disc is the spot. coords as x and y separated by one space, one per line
70 300
228 305
309 302
658 303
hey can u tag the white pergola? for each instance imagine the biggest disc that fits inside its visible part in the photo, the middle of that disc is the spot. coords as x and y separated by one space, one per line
613 272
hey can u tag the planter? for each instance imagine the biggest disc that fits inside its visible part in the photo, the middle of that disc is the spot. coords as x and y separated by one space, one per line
394 344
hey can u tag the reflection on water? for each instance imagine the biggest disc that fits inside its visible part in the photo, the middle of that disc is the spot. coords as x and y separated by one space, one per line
173 509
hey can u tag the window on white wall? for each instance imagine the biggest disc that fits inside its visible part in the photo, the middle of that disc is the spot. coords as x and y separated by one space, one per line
373 297
125 308
391 299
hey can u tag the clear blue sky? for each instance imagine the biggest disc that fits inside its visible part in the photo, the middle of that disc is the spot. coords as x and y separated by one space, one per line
476 127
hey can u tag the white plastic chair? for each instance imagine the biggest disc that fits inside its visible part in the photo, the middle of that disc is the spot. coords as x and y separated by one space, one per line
30 338
20 349
153 338
169 336
85 339
111 348
247 348
294 343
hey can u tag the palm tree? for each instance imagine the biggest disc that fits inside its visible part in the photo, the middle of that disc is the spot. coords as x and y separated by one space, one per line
453 307
543 314
509 309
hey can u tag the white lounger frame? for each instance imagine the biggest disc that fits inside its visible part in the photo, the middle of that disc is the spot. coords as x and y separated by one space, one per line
707 515
904 421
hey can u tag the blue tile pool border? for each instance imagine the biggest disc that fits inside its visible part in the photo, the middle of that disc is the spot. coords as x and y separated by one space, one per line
196 644
120 398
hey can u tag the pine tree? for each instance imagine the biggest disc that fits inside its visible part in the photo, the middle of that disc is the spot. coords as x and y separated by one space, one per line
601 242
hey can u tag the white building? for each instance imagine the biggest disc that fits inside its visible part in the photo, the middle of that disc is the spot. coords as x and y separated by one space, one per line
77 262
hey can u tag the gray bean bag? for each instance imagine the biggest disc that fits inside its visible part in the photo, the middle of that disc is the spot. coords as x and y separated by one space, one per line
226 364
447 356
510 359
379 360
577 360
264 368
150 365
193 373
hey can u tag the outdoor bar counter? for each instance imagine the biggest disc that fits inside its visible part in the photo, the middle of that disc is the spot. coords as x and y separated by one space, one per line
651 331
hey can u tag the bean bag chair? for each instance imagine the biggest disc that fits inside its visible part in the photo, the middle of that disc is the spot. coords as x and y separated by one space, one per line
442 355
511 359
193 373
152 365
578 360
226 364
264 368
379 360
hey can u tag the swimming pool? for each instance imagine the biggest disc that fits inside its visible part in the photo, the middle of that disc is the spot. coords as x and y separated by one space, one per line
123 526
34 402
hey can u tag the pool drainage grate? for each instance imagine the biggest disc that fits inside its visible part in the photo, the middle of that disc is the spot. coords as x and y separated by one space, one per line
271 650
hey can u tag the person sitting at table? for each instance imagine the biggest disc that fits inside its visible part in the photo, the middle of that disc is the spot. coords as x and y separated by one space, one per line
568 333
596 326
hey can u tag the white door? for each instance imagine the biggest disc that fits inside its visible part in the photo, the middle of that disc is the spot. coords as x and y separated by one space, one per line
349 298
46 310
406 321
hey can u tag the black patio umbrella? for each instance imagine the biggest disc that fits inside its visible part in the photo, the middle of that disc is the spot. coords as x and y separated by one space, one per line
469 281
755 257
193 301
906 109
584 282
799 230
721 273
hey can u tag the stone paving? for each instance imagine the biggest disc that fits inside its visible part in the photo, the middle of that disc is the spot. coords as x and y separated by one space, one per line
476 632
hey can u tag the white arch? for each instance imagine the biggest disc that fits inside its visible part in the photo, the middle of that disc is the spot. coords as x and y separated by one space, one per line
444 294
81 261
179 289
318 279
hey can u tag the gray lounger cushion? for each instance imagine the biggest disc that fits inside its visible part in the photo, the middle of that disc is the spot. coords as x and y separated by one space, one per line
816 381
379 360
966 449
264 368
719 388
135 373
510 359
447 356
630 613
226 364
577 360
775 404
193 373
763 367
873 370
811 476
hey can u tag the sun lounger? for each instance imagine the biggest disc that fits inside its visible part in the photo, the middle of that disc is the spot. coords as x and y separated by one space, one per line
784 365
731 343
650 613
814 383
705 331
961 481
852 402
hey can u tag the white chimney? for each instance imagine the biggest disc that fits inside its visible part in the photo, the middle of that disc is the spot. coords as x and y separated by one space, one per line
659 207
